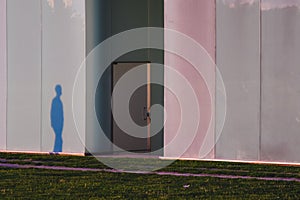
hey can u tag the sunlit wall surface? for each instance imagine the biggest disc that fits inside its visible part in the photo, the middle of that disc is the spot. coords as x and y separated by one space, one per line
280 133
238 59
46 46
254 43
24 75
3 75
257 54
196 19
63 51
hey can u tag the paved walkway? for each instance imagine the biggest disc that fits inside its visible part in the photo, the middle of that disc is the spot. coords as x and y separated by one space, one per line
61 168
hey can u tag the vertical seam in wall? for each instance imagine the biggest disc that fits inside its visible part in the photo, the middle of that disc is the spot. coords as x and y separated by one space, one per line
260 81
148 25
215 100
163 75
148 55
6 98
86 74
41 105
111 3
85 77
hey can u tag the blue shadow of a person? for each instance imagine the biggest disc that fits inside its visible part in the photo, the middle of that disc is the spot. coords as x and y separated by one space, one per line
57 119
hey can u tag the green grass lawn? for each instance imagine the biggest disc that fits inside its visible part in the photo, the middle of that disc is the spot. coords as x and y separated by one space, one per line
38 183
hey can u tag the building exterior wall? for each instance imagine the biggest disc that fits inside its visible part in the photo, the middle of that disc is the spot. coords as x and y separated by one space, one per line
280 133
24 75
196 19
63 52
238 59
46 47
255 45
3 74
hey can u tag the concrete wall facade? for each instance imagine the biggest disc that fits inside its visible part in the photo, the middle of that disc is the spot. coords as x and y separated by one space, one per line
238 59
24 75
46 47
195 19
3 75
257 45
63 52
280 81
254 44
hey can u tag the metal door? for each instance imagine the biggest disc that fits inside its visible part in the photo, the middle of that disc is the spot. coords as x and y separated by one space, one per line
139 107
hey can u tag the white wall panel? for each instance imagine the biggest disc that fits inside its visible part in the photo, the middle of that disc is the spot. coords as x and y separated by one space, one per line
280 136
3 75
24 75
238 59
63 51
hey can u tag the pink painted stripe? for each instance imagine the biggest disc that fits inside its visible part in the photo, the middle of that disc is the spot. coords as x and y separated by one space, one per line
62 168
196 19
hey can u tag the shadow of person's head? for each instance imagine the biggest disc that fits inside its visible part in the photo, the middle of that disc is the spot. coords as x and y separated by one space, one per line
58 90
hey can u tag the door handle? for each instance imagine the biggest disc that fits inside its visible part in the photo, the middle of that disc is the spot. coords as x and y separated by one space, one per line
146 114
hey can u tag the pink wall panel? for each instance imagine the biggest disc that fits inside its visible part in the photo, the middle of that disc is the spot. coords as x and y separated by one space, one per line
196 19
3 75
